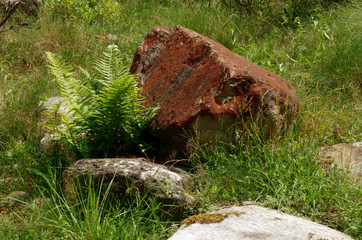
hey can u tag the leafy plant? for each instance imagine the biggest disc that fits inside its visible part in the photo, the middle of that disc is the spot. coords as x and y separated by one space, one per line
105 112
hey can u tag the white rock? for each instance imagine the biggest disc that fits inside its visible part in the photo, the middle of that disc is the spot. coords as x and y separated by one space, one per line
257 223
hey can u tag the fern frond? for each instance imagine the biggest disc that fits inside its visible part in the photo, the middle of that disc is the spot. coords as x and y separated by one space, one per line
90 81
107 110
110 66
76 91
70 87
58 67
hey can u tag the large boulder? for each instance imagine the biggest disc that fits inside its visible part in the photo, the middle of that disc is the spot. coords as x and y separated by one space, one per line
131 173
344 155
253 223
203 87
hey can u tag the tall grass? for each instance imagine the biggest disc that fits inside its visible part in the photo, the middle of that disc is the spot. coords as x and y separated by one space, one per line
88 216
321 58
315 46
283 175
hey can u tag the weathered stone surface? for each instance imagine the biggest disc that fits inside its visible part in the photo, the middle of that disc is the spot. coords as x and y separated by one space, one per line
345 155
204 86
167 186
49 141
253 223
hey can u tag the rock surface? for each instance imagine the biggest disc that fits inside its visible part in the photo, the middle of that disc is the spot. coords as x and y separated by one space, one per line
345 155
51 140
254 223
53 102
167 186
203 86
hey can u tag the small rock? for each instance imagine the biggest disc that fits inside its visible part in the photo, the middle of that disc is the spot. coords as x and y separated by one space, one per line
253 223
51 139
345 155
53 101
155 179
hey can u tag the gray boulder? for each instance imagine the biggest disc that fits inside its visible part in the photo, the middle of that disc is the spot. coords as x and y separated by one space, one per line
253 223
135 173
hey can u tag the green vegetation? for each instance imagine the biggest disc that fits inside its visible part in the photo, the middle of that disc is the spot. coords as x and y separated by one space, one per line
105 115
286 177
316 45
91 218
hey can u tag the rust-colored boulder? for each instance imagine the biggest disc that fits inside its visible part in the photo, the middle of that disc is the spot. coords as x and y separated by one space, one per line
203 86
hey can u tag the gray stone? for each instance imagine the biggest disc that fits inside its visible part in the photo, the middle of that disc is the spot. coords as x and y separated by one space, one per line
53 101
344 155
253 223
155 179
51 139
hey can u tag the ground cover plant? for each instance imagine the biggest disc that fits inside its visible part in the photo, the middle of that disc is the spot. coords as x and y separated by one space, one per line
105 115
315 45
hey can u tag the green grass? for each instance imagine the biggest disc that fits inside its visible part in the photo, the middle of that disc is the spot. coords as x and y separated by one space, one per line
315 46
90 216
284 176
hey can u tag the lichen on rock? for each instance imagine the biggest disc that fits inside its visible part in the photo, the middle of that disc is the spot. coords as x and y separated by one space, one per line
207 218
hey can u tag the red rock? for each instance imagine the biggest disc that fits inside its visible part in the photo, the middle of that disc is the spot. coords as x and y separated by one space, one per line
203 86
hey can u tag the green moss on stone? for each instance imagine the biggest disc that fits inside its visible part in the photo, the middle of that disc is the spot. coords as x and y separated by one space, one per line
207 218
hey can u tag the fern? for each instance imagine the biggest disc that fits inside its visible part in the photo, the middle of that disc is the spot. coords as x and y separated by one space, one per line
106 111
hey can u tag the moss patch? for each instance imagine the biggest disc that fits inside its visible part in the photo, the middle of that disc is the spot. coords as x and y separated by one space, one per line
207 218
